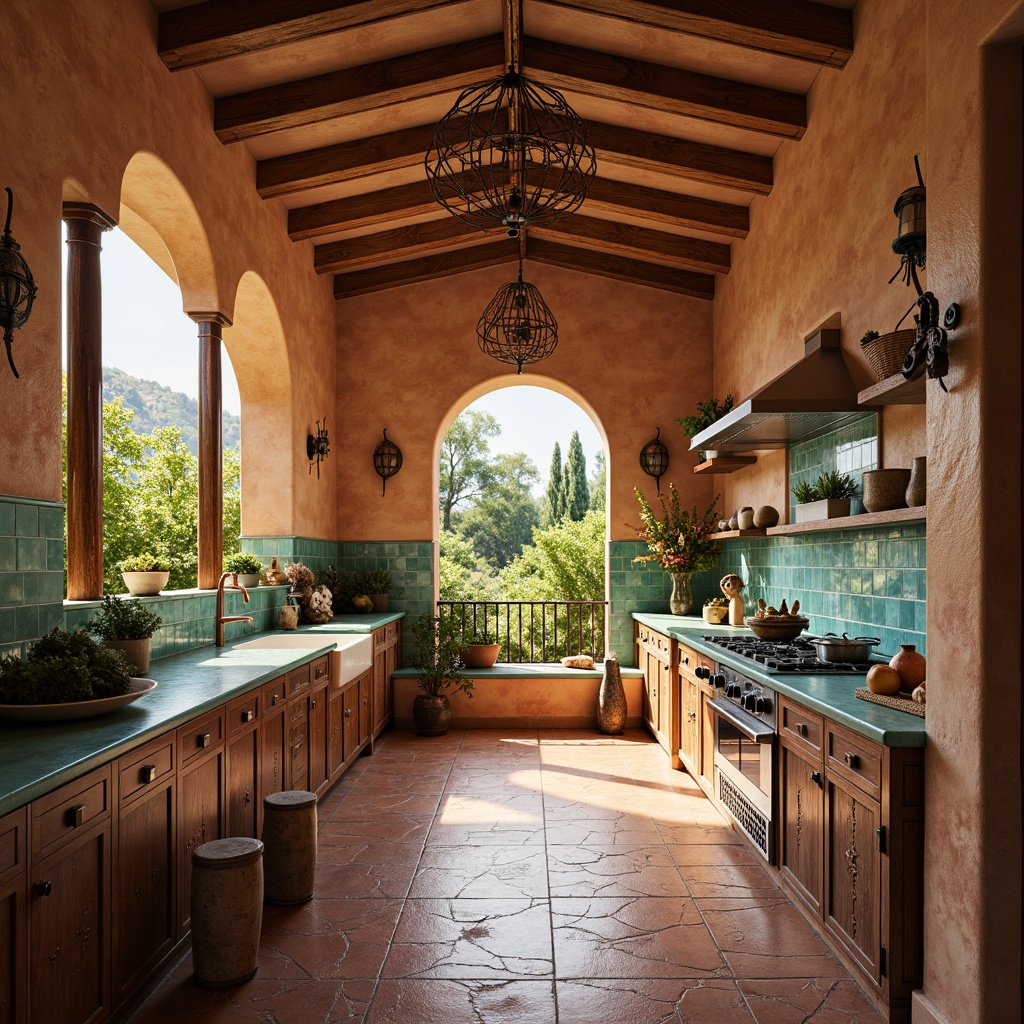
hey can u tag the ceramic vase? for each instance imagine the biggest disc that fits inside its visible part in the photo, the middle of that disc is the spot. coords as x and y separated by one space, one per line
611 699
681 600
911 666
917 489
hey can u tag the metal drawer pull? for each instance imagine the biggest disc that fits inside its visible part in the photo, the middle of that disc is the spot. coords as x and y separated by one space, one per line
148 774
816 778
801 729
43 888
76 815
851 759
348 712
247 715
203 740
312 705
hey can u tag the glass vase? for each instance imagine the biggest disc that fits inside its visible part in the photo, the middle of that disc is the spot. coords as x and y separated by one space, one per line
681 601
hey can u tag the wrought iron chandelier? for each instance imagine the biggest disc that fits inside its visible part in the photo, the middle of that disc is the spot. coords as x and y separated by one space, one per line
517 326
510 152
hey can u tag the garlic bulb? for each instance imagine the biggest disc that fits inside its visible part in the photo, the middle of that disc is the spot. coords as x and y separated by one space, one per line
918 694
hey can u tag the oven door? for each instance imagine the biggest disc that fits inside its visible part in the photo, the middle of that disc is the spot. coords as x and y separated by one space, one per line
744 755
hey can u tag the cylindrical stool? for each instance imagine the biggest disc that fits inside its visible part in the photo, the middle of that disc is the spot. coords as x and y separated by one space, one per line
289 834
227 910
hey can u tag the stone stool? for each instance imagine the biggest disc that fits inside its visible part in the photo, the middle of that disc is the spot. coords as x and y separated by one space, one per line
227 910
289 833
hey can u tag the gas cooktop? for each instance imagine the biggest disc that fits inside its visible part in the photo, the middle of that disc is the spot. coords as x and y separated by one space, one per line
790 658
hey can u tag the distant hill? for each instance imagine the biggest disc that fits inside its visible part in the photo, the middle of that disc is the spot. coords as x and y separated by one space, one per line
155 406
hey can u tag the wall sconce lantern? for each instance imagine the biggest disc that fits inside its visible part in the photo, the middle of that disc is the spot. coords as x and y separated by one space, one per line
387 460
17 289
911 241
318 447
654 458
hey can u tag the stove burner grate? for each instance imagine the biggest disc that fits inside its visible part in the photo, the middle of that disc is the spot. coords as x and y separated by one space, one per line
792 657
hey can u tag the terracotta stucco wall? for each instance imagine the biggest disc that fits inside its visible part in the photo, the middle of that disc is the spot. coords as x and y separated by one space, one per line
408 360
84 94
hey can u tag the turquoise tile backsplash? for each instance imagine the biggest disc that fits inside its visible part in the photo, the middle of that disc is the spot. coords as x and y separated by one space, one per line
850 449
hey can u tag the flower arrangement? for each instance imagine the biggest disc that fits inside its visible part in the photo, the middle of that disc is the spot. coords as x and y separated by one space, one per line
678 541
299 576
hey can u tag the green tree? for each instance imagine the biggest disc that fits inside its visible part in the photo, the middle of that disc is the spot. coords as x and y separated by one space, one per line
574 481
465 465
555 497
461 576
124 453
598 483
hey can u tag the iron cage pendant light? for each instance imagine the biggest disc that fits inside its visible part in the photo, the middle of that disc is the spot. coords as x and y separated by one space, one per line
510 152
517 326
17 289
387 461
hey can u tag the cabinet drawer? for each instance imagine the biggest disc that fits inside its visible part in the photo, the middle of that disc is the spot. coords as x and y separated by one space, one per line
296 711
321 668
144 768
273 695
854 758
72 807
298 680
12 844
243 713
199 736
803 727
690 661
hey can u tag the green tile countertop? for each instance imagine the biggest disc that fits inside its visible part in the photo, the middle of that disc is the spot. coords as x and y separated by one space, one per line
829 695
39 757
354 623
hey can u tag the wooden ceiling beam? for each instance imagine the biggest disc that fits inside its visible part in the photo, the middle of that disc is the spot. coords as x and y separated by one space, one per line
605 236
427 268
218 29
668 90
799 29
621 268
442 69
687 212
402 243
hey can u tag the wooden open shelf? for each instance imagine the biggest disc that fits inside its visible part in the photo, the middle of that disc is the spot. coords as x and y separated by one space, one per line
896 515
730 534
895 390
722 464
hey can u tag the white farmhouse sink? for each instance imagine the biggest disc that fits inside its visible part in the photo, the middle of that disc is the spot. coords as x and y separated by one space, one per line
351 657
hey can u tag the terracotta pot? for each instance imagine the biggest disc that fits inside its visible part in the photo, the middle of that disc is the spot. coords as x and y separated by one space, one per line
145 584
380 602
137 652
911 665
480 655
431 715
745 518
885 489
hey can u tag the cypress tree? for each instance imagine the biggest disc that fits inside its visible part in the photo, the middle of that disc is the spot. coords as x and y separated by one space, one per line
577 493
556 499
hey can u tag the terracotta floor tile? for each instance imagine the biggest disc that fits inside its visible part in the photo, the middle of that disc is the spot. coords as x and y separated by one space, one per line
702 854
363 805
504 833
603 832
365 870
477 939
647 1001
486 777
632 938
418 1001
767 938
500 808
808 1001
714 833
387 828
481 871
710 881
613 871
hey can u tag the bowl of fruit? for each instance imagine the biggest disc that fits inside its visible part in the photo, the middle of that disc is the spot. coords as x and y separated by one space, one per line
781 624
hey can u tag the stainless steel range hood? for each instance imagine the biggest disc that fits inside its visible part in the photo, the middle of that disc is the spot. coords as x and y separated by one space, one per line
815 395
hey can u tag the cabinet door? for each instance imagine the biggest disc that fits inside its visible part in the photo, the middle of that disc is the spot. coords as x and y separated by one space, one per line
707 741
381 679
274 736
318 772
394 662
200 817
145 908
13 896
801 807
69 931
335 738
652 679
350 719
365 706
298 742
242 796
689 725
853 880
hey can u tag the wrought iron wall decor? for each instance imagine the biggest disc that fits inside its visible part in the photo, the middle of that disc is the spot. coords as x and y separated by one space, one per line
387 460
511 152
318 447
517 326
17 289
654 458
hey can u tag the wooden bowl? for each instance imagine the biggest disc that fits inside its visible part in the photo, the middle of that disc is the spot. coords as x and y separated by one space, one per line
778 627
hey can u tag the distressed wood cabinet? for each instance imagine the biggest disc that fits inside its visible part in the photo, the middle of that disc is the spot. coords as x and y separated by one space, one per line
242 766
387 656
696 728
656 657
13 901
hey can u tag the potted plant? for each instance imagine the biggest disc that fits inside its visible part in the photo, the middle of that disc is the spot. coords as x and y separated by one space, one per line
126 626
827 498
248 567
436 659
375 584
144 575
481 651
707 413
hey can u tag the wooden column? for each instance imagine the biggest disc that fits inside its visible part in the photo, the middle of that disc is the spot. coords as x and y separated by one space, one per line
85 224
211 445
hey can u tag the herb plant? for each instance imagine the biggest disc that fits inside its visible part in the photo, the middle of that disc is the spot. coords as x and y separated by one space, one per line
243 562
482 637
373 581
707 413
869 336
142 563
437 642
121 619
832 485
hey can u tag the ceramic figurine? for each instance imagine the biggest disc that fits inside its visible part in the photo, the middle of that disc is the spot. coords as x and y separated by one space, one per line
731 586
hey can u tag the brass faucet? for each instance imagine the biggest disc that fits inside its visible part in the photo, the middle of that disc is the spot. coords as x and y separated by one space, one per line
221 617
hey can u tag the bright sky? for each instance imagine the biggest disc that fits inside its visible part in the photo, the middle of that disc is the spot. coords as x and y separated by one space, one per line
146 334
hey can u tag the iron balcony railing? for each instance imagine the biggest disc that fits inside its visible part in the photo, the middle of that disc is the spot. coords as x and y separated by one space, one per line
533 631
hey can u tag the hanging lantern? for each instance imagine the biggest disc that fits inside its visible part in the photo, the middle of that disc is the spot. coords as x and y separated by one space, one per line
17 289
654 458
517 326
318 447
910 243
387 461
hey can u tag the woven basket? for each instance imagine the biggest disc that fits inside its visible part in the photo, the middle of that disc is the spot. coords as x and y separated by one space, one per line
887 352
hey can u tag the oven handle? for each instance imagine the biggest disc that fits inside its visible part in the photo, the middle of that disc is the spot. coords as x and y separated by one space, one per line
750 727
